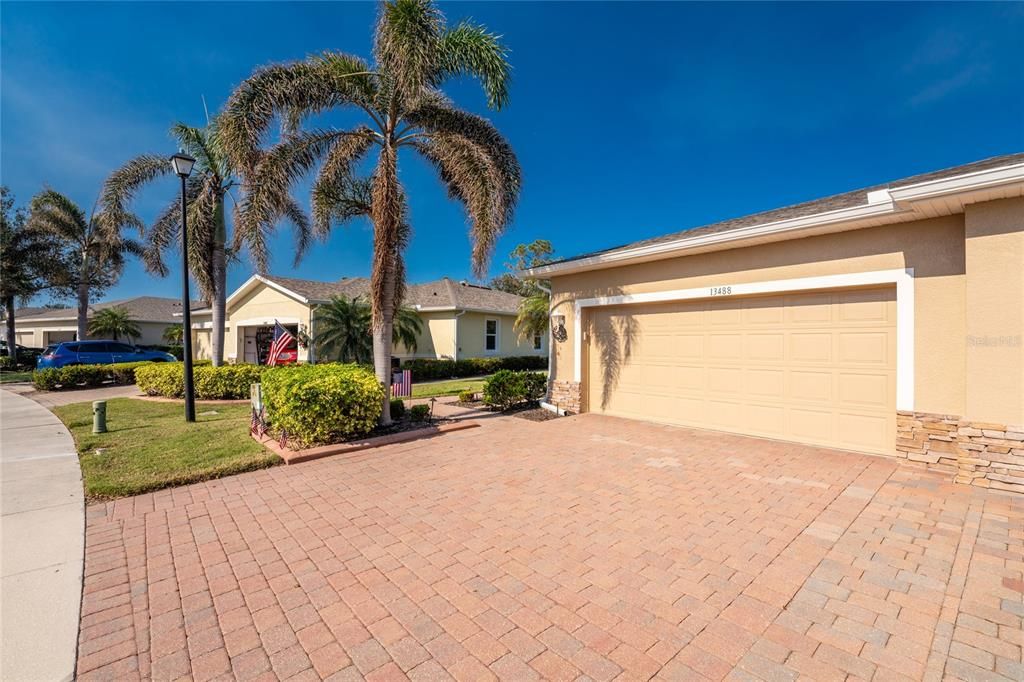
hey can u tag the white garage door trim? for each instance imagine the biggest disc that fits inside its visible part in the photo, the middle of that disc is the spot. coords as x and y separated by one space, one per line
902 278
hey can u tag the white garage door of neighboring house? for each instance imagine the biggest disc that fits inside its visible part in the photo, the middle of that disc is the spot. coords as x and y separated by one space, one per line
816 368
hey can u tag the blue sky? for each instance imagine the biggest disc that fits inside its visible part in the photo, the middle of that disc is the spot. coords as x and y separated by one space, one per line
630 119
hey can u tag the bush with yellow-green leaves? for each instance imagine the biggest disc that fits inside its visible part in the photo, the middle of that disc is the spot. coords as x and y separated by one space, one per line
227 382
320 404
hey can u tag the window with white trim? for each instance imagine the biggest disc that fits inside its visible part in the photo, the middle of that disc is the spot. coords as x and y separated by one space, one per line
491 336
538 342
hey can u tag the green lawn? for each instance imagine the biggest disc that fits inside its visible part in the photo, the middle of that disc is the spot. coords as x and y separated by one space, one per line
9 377
149 446
453 387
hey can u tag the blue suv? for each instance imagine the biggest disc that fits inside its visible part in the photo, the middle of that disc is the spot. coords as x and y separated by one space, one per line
97 353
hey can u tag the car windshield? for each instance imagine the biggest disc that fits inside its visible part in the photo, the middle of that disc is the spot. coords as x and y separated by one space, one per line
49 349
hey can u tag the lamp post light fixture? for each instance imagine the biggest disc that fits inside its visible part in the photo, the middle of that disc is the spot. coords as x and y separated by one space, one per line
182 164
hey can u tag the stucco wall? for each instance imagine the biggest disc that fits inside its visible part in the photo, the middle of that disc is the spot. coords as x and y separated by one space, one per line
471 337
934 248
34 333
436 338
995 311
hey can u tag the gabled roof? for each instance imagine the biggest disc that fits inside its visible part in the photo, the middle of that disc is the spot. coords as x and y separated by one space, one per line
880 204
140 309
442 294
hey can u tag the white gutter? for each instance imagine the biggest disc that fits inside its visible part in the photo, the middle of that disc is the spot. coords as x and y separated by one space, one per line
881 203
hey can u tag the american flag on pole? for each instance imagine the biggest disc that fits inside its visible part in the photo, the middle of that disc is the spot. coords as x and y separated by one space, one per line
282 339
401 384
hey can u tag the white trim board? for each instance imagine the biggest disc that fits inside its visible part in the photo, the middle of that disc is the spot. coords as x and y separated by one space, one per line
902 278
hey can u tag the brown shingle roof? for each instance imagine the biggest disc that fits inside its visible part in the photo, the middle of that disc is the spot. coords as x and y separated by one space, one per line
442 293
808 208
140 308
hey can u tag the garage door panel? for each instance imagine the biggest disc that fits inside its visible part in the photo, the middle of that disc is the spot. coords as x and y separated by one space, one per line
766 347
863 390
864 348
810 347
726 380
766 420
810 386
761 383
816 368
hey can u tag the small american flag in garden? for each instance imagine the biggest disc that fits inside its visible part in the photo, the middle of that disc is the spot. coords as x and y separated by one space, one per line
282 339
401 384
259 422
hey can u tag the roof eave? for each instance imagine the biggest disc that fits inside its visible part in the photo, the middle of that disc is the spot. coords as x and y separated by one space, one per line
892 202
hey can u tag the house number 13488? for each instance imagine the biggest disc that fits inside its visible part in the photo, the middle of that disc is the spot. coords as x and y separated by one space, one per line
720 291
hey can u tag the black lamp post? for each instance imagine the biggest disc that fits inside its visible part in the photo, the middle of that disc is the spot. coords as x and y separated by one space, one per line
182 164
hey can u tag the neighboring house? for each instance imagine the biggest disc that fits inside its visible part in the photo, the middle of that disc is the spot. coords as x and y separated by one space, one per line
460 320
831 322
39 327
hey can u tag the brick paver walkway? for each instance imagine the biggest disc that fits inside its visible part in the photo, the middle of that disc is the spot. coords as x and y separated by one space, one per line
586 547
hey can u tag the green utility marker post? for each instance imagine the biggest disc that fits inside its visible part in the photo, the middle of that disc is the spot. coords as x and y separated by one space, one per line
99 416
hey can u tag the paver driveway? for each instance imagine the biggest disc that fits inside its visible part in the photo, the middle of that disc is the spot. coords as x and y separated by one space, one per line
587 546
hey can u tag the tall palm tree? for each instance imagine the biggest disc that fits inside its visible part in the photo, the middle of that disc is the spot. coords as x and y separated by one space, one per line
344 329
402 106
114 322
29 260
206 190
94 247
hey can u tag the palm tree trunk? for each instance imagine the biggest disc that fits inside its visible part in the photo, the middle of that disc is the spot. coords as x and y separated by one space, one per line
219 287
386 212
83 309
12 347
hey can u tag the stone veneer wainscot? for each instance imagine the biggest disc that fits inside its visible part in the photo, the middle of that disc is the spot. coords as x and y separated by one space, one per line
977 453
565 394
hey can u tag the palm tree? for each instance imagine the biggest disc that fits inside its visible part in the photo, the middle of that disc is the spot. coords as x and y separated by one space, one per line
29 259
174 334
94 248
344 329
532 317
402 106
206 190
114 322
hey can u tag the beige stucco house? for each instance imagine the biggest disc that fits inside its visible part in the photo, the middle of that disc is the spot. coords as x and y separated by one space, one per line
460 320
39 327
886 320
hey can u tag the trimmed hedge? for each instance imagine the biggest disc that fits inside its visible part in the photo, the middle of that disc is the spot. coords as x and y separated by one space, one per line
424 369
227 382
320 404
77 376
397 408
506 388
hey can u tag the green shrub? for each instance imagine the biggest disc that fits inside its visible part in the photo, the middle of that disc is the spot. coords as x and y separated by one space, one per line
46 379
78 376
397 408
227 382
124 372
419 413
424 369
7 362
318 404
467 396
508 388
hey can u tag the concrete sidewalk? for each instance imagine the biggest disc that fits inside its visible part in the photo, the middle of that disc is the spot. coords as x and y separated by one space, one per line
42 538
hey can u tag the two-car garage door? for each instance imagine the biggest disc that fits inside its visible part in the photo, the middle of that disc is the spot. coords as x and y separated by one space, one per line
816 368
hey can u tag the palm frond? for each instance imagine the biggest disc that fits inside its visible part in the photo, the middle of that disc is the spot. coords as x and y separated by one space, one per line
336 187
197 142
469 49
123 184
406 45
295 89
